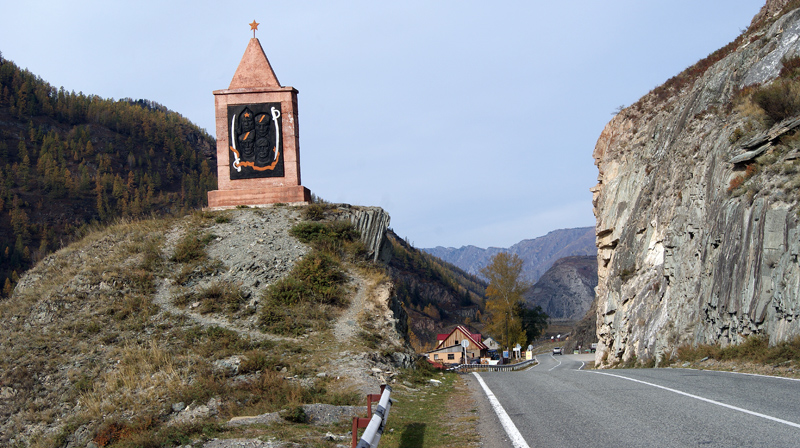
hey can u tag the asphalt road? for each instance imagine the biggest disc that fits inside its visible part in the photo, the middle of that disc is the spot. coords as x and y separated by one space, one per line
556 405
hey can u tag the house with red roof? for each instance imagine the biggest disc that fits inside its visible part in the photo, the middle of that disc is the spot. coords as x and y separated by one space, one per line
449 349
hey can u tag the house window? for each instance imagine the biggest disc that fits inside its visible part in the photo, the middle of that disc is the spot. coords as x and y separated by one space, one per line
451 356
435 356
457 341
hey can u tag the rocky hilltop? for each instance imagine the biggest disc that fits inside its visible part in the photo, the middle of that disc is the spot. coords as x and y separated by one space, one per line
697 201
566 290
160 328
538 253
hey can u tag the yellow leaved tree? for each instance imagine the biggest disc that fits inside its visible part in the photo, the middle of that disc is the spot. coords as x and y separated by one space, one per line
505 290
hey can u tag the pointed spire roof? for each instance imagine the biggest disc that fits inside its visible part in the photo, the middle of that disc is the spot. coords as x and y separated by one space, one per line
254 70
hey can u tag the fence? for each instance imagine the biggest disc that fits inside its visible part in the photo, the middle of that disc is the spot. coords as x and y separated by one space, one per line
466 368
374 425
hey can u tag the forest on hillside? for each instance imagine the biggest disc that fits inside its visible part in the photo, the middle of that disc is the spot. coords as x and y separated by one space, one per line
69 160
436 295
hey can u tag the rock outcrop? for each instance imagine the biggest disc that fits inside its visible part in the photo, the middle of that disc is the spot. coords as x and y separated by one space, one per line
697 206
372 224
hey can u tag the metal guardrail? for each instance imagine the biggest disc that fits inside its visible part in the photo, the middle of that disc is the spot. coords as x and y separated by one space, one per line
466 368
374 425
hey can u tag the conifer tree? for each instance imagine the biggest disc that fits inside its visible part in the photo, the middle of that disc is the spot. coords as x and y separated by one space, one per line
8 288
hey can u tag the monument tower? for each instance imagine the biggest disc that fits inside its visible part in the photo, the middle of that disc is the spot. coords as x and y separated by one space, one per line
258 147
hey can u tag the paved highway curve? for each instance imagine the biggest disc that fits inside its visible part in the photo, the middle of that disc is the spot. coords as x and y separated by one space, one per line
556 405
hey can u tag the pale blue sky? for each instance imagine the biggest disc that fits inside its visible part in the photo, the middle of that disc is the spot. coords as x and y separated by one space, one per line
470 122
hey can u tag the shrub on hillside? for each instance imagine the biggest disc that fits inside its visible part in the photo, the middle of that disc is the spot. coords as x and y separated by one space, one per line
315 212
305 298
316 278
338 238
192 247
327 232
779 100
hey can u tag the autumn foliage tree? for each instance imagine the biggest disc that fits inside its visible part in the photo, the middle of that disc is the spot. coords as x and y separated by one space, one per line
505 290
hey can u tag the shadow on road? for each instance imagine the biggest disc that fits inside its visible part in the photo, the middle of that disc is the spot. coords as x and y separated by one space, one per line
413 436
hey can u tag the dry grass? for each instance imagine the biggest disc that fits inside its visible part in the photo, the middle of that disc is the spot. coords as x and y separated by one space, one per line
754 349
144 375
218 297
443 416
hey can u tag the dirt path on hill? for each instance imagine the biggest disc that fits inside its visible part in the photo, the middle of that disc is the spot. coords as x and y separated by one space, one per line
163 299
347 326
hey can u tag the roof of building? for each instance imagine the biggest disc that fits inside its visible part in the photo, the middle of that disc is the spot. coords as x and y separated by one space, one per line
449 349
474 337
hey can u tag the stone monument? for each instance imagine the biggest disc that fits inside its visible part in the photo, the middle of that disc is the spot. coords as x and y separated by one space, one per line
258 148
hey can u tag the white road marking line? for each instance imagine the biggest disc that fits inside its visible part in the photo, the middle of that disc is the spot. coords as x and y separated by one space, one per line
513 433
743 373
554 359
768 417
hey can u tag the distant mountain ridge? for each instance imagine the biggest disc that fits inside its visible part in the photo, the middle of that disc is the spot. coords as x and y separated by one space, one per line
539 253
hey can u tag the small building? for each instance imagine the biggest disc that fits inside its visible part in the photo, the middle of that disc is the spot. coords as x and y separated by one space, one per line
491 343
450 351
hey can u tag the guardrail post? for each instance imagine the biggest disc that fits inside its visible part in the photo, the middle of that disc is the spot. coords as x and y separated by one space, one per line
372 398
358 422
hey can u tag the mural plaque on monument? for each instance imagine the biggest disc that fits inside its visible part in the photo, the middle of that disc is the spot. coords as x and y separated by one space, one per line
256 146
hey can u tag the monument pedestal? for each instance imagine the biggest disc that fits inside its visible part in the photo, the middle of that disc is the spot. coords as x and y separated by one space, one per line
226 199
258 155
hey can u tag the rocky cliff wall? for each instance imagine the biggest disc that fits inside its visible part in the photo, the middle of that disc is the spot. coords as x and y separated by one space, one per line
683 256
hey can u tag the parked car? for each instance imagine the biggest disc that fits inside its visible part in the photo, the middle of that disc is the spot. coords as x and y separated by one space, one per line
558 351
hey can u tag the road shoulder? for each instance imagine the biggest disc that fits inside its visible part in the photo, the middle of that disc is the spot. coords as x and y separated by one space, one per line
491 431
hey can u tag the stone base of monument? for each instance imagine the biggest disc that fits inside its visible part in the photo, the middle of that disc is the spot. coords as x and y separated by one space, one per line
224 199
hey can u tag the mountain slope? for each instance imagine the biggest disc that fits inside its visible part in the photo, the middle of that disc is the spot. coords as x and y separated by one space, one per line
436 295
566 290
538 253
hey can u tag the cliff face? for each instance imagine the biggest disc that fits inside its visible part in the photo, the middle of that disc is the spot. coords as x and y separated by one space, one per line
696 206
